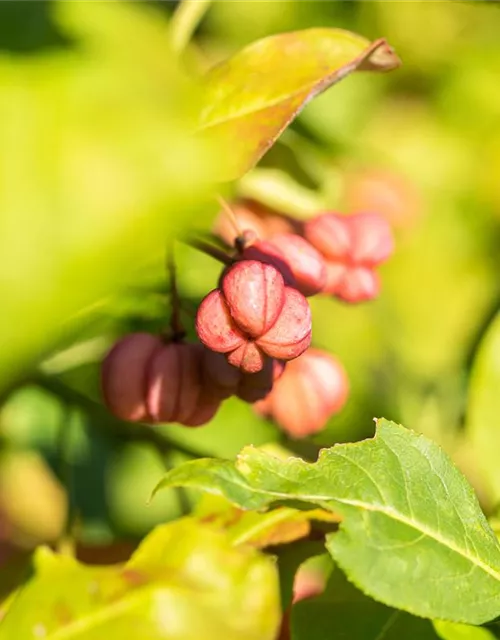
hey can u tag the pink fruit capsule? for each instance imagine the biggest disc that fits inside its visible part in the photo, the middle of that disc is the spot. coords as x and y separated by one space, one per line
174 382
330 234
254 293
306 263
291 334
249 358
124 375
312 389
215 327
372 239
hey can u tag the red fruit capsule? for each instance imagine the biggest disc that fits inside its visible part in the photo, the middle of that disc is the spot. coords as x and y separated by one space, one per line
176 391
371 239
266 251
124 376
214 325
174 382
306 263
254 315
254 293
312 389
358 284
329 233
291 334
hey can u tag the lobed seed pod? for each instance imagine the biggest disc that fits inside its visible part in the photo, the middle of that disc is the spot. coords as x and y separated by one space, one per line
312 389
329 233
371 239
352 246
357 285
124 376
254 293
305 262
174 382
253 316
222 380
291 333
265 251
144 379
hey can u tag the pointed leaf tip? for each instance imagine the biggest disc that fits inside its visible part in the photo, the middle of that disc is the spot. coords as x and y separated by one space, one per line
380 56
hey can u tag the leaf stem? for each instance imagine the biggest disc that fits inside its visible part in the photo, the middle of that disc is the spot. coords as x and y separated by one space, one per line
186 18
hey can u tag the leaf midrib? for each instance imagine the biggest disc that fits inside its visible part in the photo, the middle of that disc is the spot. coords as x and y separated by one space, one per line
323 501
308 88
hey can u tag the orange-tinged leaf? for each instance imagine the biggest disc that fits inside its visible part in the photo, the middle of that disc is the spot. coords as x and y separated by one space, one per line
253 96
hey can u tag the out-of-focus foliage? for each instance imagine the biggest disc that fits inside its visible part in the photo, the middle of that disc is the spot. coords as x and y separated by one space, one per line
151 596
97 165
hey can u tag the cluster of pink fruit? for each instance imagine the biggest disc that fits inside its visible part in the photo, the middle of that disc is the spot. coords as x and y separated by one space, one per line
255 328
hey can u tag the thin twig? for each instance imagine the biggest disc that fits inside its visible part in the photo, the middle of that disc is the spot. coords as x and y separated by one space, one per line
178 331
230 215
209 250
101 418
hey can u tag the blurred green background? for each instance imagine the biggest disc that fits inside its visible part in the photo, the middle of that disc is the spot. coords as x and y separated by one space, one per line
97 170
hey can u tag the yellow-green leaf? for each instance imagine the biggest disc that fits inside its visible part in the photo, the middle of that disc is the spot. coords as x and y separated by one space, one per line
253 96
186 581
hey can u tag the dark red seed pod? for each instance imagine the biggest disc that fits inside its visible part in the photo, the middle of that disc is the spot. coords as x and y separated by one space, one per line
124 376
306 263
254 293
312 389
174 382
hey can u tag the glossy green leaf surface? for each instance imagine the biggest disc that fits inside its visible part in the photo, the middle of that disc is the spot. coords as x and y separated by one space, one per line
413 535
253 96
344 612
483 409
185 581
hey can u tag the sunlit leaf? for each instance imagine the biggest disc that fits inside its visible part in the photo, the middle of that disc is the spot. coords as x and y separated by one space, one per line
186 581
253 96
279 526
413 535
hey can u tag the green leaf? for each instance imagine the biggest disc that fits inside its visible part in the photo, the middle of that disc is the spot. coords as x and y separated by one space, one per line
253 96
455 631
483 410
344 612
413 535
186 581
